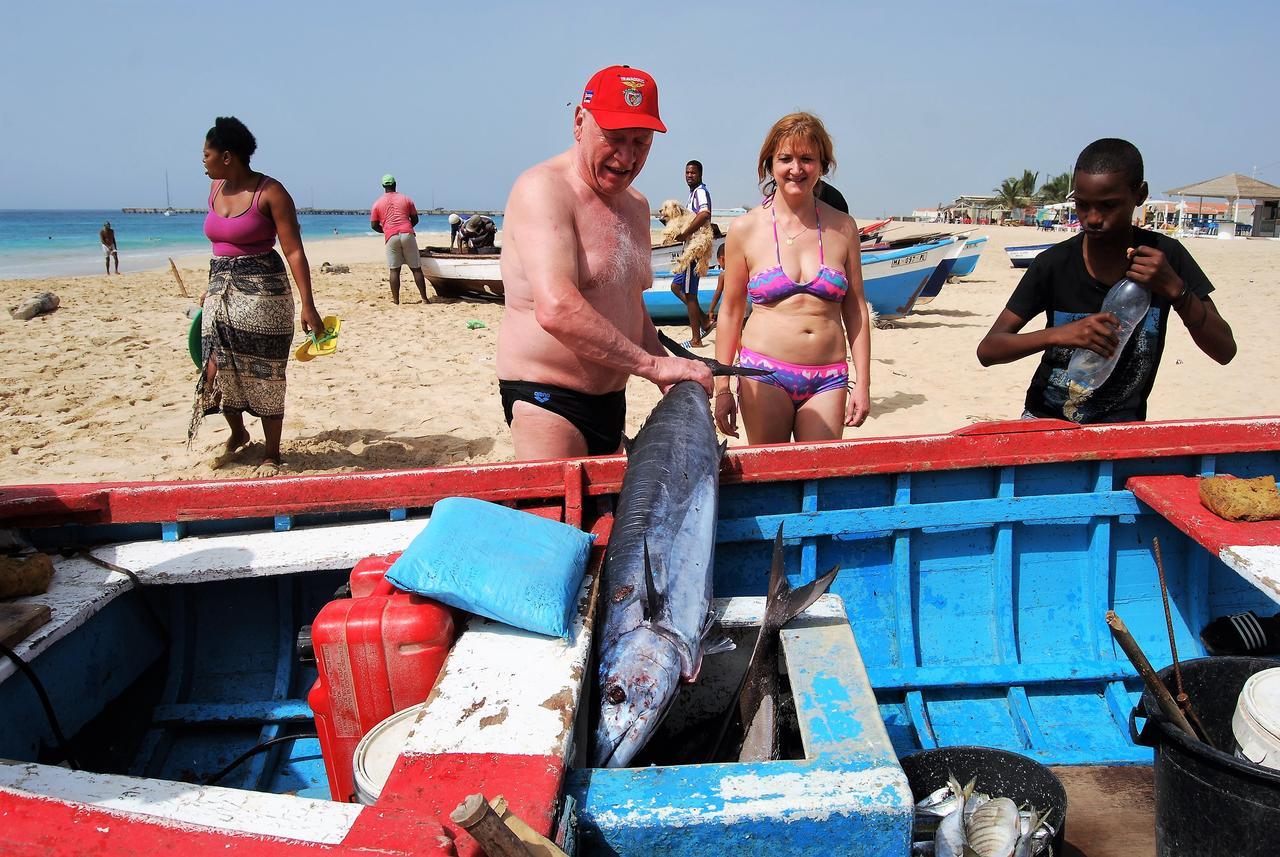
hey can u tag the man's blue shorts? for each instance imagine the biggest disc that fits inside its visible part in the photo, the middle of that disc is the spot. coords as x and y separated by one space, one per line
686 286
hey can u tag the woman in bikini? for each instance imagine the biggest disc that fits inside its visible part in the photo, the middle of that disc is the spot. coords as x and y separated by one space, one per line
797 261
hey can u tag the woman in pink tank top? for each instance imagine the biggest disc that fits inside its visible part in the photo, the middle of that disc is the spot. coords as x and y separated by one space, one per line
247 323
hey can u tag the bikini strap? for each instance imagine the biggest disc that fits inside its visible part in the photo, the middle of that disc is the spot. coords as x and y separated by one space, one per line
217 186
822 259
777 250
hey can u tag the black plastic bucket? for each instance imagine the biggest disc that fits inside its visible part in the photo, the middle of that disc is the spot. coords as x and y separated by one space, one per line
1208 802
999 774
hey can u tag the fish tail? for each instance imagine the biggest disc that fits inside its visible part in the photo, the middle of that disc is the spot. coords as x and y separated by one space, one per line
785 603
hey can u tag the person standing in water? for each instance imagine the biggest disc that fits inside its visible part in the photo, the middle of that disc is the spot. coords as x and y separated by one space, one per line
107 236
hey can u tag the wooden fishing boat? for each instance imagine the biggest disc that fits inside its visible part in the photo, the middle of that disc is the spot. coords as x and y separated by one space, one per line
892 281
968 260
980 562
1022 256
453 273
663 257
942 273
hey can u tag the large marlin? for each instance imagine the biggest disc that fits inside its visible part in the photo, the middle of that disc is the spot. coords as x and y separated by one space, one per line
657 573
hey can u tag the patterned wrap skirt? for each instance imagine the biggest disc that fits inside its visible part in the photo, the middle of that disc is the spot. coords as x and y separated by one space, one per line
247 327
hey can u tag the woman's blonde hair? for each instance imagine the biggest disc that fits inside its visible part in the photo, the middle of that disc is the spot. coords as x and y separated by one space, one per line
794 126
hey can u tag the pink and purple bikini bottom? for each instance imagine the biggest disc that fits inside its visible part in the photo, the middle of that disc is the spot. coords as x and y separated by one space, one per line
802 383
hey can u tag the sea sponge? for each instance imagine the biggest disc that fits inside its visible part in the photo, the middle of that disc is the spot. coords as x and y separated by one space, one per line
1241 499
29 575
697 248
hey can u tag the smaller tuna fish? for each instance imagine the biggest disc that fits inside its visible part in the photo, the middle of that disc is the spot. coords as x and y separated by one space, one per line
949 840
750 731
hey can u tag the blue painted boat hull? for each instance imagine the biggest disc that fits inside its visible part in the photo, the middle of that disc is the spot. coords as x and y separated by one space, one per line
968 260
939 277
665 308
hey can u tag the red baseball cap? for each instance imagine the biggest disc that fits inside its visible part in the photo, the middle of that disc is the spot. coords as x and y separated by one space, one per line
623 97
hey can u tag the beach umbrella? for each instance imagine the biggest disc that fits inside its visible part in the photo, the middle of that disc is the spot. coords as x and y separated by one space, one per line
1232 187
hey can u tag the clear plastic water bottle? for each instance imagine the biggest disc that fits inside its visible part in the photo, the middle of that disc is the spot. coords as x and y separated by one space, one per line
1088 370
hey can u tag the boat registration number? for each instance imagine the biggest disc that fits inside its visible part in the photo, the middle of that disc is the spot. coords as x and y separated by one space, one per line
907 260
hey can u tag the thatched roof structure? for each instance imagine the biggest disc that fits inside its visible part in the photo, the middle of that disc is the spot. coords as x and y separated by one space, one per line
1230 186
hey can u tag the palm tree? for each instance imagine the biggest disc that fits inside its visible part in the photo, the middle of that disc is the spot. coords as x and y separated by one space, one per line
1056 188
1027 184
1009 195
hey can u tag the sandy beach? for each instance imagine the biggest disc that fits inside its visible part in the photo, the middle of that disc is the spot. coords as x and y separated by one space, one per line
101 389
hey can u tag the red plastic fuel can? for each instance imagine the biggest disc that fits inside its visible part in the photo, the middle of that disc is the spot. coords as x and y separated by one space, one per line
377 652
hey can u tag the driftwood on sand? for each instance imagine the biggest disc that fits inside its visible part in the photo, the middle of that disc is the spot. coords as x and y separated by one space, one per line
697 249
181 285
326 268
34 306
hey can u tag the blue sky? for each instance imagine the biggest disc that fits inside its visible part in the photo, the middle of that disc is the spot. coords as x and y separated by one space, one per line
924 100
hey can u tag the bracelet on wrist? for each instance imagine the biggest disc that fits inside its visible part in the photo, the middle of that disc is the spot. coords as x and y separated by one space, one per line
1180 302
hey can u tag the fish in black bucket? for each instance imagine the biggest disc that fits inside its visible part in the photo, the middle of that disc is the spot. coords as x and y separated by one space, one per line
959 821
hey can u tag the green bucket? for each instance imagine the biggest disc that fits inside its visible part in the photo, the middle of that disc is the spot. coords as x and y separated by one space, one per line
193 339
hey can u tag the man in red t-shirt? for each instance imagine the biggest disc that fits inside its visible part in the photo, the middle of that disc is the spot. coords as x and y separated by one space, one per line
394 215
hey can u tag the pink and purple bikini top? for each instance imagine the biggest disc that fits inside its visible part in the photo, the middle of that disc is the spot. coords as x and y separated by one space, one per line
248 233
774 284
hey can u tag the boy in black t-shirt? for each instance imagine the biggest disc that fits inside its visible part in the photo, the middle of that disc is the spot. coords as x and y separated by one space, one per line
1068 282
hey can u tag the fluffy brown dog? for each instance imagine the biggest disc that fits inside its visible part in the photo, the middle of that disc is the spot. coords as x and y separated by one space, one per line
675 218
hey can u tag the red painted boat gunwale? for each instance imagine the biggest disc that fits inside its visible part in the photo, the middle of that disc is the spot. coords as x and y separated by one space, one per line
1177 499
984 445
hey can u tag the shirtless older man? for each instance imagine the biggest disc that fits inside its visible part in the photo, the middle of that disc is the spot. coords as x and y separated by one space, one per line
575 261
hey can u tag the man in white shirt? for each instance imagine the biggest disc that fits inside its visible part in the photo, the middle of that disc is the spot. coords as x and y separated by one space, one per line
685 284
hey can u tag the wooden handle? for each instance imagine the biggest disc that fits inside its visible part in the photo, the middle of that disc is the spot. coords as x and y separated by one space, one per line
178 277
537 844
475 816
1139 660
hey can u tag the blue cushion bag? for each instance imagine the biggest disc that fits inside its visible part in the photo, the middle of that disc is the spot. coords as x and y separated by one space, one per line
506 565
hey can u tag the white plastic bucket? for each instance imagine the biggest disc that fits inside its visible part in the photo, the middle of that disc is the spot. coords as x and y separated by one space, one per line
1256 722
377 752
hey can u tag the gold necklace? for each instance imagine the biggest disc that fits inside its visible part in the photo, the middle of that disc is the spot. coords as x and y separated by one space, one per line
791 239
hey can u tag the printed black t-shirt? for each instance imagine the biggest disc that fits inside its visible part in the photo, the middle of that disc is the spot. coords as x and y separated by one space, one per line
1059 285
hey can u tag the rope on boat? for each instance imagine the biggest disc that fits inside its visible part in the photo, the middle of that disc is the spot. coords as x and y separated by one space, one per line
253 751
49 713
137 583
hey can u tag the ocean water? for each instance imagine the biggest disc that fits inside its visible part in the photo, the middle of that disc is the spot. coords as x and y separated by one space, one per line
51 243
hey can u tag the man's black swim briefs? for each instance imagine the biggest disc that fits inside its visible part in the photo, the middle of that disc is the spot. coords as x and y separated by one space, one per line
600 418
